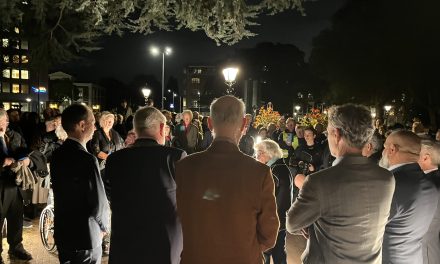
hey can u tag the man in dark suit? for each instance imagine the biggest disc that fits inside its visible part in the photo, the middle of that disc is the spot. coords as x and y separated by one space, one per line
145 227
429 161
414 202
12 154
225 199
346 205
81 207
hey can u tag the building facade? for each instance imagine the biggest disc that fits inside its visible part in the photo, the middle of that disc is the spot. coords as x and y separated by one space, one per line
21 86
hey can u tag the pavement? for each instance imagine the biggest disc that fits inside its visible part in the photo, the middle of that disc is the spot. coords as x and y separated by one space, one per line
32 243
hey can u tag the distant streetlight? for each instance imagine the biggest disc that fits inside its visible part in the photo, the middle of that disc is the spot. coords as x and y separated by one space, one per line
387 108
174 95
146 92
165 51
198 93
297 107
230 75
28 100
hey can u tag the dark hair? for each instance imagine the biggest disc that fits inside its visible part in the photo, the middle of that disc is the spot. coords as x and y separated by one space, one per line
309 128
72 115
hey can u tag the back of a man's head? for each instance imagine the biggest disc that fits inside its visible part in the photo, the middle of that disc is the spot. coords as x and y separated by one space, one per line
407 142
432 148
72 115
147 120
354 122
227 111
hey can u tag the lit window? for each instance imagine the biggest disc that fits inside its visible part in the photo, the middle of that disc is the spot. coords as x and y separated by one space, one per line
7 73
25 74
195 80
15 74
6 87
15 88
16 59
25 88
199 71
7 105
24 44
24 59
5 58
17 30
5 43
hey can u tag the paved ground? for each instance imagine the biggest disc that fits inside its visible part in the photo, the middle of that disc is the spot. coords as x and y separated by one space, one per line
32 243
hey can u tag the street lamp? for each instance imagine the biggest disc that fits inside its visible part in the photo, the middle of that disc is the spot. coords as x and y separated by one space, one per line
387 112
230 74
297 107
198 93
174 95
165 51
146 92
387 108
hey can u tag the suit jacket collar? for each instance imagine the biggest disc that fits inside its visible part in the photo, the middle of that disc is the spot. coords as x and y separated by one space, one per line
219 145
145 142
353 159
407 167
75 143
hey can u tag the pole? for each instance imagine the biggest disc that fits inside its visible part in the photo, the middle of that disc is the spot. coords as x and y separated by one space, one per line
163 77
173 102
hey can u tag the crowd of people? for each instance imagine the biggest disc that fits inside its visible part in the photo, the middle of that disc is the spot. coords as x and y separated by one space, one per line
187 188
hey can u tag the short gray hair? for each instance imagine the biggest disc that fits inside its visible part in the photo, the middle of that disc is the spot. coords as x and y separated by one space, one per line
188 112
376 142
148 118
433 148
354 123
227 110
271 148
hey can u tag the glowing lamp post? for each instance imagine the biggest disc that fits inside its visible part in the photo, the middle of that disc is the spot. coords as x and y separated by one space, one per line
230 74
146 92
155 51
387 112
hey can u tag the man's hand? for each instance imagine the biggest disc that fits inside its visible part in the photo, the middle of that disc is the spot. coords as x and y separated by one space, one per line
8 162
305 233
311 168
299 180
26 162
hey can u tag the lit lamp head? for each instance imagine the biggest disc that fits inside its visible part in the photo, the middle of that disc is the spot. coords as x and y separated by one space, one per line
146 92
155 51
230 75
297 107
168 51
28 100
387 108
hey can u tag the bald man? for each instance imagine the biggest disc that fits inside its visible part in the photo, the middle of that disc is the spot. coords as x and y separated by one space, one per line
225 199
429 161
414 201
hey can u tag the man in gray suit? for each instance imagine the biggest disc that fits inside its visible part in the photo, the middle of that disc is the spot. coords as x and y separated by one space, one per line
414 201
346 205
429 161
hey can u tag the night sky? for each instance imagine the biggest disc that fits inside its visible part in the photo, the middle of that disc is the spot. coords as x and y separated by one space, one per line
125 57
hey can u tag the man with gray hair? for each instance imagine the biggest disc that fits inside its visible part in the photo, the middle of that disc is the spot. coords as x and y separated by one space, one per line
143 195
346 206
225 198
414 201
429 161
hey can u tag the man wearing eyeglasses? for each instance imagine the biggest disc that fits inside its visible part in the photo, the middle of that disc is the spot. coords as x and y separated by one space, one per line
414 202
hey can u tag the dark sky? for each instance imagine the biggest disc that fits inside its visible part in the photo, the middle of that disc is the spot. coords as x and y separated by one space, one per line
124 57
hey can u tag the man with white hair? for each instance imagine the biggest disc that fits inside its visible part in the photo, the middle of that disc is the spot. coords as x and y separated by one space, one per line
414 202
225 198
346 205
143 195
429 161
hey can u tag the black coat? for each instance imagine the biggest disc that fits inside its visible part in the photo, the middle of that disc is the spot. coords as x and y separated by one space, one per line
100 142
145 227
283 189
81 208
413 207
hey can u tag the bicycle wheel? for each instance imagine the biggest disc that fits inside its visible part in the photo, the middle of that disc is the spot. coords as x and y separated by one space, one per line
46 229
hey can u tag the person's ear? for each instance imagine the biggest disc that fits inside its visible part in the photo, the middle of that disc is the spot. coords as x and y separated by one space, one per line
243 124
210 123
161 129
82 125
